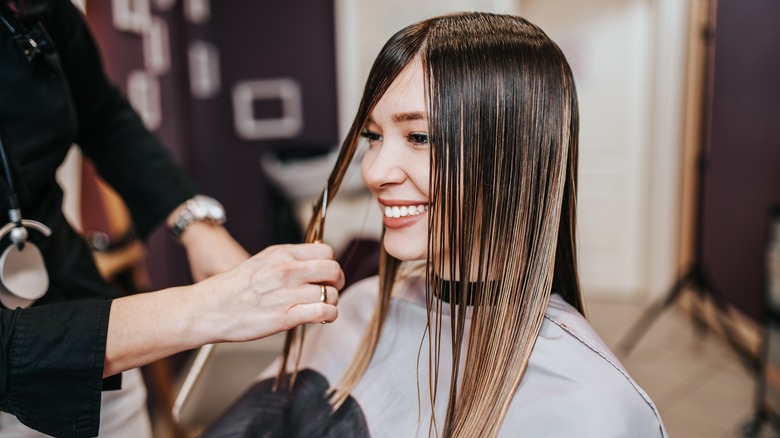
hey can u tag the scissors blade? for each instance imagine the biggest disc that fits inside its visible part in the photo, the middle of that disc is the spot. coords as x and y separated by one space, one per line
324 208
320 230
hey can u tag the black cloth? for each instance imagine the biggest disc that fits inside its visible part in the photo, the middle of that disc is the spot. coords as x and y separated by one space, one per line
51 357
303 411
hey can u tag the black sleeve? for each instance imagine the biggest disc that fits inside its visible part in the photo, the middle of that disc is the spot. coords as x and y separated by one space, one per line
110 132
51 366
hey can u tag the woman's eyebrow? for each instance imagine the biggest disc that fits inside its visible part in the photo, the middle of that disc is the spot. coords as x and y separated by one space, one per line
407 117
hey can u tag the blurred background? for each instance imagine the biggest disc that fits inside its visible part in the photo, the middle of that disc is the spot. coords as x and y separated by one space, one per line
679 172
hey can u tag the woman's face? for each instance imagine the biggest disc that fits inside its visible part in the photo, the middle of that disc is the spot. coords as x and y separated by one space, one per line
397 164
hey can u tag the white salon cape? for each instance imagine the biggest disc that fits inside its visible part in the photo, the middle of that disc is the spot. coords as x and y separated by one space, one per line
573 386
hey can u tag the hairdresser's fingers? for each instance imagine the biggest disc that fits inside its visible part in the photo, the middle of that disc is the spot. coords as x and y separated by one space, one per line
300 264
330 295
324 294
310 293
302 251
311 314
268 274
327 272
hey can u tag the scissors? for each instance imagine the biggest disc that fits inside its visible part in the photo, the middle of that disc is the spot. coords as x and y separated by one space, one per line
319 231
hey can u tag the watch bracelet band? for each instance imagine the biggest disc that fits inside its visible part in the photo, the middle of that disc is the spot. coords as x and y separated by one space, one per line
184 216
183 220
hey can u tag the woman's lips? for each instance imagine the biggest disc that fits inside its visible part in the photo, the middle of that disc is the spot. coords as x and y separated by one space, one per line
401 214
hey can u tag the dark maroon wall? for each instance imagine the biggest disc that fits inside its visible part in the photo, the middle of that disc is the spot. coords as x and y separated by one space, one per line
743 170
256 40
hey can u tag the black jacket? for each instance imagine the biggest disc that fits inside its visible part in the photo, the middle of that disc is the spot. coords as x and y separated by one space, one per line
51 355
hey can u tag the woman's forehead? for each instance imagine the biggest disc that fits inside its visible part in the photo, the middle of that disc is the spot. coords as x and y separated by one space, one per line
404 99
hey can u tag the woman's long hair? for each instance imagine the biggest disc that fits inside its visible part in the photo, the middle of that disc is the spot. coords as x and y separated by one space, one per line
503 125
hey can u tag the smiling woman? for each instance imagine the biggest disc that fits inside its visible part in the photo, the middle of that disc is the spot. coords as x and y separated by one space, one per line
396 166
471 122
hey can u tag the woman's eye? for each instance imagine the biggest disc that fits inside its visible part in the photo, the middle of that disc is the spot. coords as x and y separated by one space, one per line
372 137
418 138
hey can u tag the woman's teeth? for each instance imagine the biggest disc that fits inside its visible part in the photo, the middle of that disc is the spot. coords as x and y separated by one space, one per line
403 211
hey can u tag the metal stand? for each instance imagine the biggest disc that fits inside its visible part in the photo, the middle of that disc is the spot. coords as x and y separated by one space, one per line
697 281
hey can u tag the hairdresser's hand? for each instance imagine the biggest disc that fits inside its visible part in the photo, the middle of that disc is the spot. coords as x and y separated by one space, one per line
273 291
211 250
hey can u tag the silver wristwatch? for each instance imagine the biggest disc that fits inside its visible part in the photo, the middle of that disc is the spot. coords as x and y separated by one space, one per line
199 208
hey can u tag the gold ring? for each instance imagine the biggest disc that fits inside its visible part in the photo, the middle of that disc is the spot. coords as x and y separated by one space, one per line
323 298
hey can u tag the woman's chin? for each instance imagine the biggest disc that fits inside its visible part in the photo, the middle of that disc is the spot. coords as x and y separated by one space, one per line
405 252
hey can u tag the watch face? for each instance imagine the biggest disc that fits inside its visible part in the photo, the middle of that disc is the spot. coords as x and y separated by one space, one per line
206 207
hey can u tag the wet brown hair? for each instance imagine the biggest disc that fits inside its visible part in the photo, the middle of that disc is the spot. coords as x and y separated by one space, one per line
503 124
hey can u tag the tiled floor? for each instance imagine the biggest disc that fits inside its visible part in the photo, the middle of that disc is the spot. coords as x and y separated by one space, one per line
698 383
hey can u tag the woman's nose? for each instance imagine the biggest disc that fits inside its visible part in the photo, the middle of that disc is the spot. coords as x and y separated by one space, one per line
383 166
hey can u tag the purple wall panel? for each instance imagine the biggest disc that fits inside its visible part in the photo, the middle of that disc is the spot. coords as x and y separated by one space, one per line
260 41
743 171
253 41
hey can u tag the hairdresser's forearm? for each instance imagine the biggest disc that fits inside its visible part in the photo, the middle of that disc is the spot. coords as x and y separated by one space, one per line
275 290
147 327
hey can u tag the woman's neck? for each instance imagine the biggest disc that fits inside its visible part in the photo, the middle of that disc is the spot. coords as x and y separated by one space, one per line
456 292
